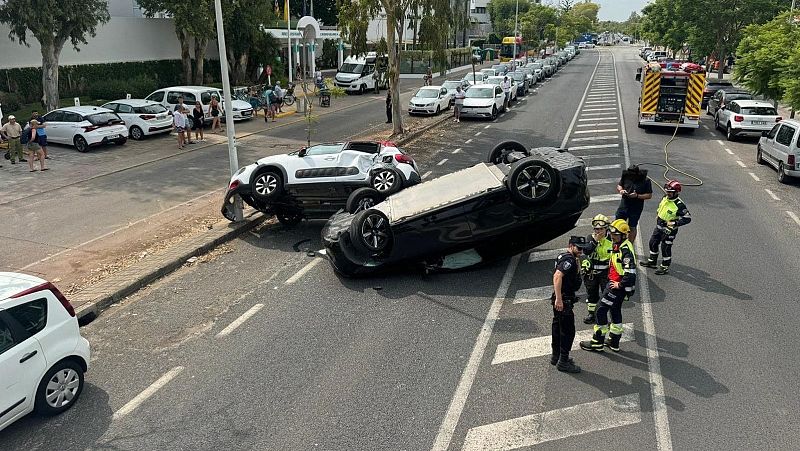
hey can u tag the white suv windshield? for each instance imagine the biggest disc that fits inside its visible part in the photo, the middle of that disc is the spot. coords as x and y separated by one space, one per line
451 84
479 93
427 93
759 111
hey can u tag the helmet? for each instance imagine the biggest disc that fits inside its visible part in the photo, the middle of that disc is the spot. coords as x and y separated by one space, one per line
673 185
620 226
600 220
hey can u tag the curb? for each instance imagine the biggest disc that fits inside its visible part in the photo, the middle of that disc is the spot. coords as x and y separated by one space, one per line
129 280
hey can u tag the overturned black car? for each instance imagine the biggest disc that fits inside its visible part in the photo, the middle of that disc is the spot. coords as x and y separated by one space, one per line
520 199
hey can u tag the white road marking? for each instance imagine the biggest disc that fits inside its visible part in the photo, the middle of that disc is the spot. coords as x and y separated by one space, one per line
712 134
605 166
595 138
730 152
604 198
548 254
531 430
468 141
598 113
533 294
755 177
580 105
456 407
794 217
602 181
600 155
597 124
706 127
602 130
131 405
594 146
425 175
478 133
719 141
488 126
741 163
607 102
583 222
772 195
530 348
599 109
444 160
457 150
239 321
308 267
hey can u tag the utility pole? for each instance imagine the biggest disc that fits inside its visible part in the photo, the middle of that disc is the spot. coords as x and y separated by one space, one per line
516 22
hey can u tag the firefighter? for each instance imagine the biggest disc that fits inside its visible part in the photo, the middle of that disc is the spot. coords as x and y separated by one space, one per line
621 285
672 213
595 266
566 281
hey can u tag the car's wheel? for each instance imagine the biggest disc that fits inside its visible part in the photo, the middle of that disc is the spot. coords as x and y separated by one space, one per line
716 122
759 155
729 133
267 185
80 143
289 218
494 112
136 133
371 233
708 109
533 182
438 109
362 199
60 388
121 141
501 151
782 177
386 181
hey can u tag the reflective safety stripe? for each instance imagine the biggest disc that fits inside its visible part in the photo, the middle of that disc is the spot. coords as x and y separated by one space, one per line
617 329
631 271
603 329
597 267
667 242
667 258
591 307
629 289
606 301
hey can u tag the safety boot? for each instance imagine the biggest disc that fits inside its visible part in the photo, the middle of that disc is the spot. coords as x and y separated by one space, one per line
554 359
649 263
612 342
566 365
596 343
662 270
589 318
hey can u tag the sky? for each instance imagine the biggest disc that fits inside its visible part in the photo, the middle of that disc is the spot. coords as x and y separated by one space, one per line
618 10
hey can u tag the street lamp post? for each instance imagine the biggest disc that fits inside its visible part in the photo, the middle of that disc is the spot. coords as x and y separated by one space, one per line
516 21
228 105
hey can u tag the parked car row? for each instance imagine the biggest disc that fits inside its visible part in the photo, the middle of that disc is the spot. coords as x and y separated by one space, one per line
85 127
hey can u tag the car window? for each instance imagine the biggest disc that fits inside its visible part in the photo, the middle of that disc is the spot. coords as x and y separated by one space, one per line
785 135
149 109
32 316
111 106
103 118
6 338
122 108
739 96
733 107
427 93
771 134
324 149
172 97
205 97
69 116
53 116
759 110
157 96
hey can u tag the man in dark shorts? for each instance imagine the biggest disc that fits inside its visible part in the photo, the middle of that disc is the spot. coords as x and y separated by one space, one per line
635 188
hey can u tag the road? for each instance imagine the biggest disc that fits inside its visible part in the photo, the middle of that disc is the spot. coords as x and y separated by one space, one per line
262 346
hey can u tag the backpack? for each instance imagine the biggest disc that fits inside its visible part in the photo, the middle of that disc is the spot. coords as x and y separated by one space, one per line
25 137
272 97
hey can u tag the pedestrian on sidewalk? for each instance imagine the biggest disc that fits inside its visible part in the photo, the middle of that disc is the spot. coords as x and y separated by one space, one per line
389 106
34 149
199 121
635 188
214 107
179 120
566 282
459 103
12 131
41 133
279 93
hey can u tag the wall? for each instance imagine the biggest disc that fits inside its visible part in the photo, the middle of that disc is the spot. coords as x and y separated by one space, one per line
122 39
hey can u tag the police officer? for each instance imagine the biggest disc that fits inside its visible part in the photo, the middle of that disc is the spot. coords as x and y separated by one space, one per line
595 266
621 285
672 213
566 281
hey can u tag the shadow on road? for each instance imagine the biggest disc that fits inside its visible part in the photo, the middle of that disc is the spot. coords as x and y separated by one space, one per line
705 282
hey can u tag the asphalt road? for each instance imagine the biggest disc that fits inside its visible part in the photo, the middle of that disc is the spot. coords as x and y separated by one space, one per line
263 347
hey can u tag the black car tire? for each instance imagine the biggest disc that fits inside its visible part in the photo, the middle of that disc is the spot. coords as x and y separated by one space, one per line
71 370
494 112
371 233
80 143
759 155
533 182
500 151
121 141
386 181
362 199
782 177
270 184
708 110
729 135
289 218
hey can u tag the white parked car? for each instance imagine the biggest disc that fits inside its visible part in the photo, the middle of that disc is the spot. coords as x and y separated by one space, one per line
142 117
498 80
746 118
780 148
451 86
474 79
430 100
84 127
483 100
168 97
488 73
42 354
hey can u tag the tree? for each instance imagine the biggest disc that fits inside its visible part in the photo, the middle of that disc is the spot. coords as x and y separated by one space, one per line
244 37
53 23
325 11
502 13
533 24
665 23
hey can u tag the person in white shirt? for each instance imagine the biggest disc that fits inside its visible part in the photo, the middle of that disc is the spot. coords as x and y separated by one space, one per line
179 120
459 103
279 94
506 85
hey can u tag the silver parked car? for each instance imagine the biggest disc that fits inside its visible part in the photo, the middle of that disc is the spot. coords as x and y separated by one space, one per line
780 148
746 118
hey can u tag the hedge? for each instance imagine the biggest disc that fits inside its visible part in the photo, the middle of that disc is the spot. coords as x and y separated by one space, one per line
417 61
140 78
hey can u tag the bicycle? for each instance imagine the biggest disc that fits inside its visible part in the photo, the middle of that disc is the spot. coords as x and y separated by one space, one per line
288 98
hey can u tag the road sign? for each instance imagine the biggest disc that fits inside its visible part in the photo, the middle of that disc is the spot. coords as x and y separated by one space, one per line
269 69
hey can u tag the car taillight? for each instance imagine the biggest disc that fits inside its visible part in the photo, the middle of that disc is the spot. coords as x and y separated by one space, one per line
89 128
147 117
402 158
388 144
738 118
790 161
778 119
47 286
234 184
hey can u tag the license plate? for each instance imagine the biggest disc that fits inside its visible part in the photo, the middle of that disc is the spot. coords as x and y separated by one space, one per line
161 116
247 113
759 122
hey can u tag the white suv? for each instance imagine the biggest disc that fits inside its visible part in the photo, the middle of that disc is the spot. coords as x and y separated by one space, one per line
780 147
168 97
746 118
142 117
42 354
84 127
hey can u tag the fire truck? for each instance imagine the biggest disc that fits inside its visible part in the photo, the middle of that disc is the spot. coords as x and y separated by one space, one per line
672 93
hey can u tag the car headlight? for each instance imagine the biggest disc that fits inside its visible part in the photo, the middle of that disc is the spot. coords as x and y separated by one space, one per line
235 109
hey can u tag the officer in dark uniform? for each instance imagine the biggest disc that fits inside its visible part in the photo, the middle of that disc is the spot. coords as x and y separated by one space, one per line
566 281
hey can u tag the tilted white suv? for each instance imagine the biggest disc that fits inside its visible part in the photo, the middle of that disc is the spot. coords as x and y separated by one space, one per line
42 354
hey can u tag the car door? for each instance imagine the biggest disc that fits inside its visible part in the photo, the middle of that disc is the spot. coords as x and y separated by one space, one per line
125 112
316 164
783 142
22 364
356 160
715 102
768 142
499 97
444 99
70 126
54 126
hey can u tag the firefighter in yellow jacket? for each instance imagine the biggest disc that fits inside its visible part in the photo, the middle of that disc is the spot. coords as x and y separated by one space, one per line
595 266
672 213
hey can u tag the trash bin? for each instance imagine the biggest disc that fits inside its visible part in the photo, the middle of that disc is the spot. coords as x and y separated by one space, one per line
301 105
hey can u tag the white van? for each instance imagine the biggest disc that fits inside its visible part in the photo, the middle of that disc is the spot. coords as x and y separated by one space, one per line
356 74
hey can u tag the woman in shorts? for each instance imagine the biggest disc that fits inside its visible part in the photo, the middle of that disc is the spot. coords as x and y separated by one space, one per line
198 121
34 149
214 107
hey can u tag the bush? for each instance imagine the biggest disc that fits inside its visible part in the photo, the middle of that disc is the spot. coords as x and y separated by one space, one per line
108 89
10 101
141 86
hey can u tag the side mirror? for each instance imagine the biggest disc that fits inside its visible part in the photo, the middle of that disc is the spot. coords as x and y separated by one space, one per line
764 134
302 152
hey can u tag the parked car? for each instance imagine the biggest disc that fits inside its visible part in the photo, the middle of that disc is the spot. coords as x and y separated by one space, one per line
430 100
317 181
484 100
493 209
500 69
581 45
538 69
474 79
498 80
168 97
548 69
84 127
746 118
712 86
451 86
488 73
142 117
780 148
42 355
521 80
530 76
722 96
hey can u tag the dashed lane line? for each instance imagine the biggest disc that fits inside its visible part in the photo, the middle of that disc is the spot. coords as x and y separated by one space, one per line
741 163
487 126
148 392
299 274
478 133
468 141
794 217
425 175
602 130
730 152
719 141
239 321
755 177
444 160
457 150
772 195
